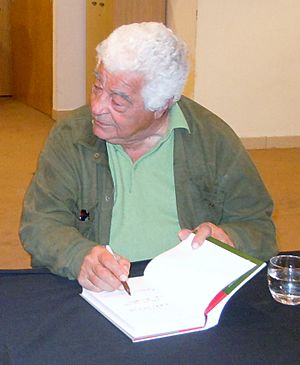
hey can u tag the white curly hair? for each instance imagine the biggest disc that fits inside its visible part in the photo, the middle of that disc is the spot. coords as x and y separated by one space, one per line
152 50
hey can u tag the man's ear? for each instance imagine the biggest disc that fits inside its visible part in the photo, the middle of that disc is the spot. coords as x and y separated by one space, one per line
159 113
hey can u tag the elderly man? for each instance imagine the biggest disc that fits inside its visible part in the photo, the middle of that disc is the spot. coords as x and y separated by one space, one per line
140 170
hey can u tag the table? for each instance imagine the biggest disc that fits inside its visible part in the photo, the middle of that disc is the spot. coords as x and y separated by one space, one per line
44 321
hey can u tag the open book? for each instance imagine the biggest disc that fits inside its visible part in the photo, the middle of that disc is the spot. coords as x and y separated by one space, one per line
182 290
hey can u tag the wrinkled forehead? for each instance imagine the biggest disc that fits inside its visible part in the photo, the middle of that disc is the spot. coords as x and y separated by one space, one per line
128 85
128 78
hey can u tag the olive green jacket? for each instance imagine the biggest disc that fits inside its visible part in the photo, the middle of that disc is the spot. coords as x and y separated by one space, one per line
215 181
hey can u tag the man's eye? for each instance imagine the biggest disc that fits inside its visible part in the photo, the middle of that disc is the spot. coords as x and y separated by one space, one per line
97 88
118 104
115 103
118 107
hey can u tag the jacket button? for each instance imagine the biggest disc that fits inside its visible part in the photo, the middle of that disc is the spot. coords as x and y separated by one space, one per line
96 155
107 198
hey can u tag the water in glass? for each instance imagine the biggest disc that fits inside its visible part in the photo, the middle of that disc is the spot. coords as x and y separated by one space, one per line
284 279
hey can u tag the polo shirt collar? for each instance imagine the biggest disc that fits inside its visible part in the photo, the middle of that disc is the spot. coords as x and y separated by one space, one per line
177 118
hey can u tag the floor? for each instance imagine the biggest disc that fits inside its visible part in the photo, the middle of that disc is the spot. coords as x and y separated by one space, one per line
23 133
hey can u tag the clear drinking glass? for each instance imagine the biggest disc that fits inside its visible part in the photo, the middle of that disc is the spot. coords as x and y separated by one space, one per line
284 279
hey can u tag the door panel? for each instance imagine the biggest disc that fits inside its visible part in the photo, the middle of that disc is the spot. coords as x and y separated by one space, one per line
104 16
31 39
131 11
99 24
5 49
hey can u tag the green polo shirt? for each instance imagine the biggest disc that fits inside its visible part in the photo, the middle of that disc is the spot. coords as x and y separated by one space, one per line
144 217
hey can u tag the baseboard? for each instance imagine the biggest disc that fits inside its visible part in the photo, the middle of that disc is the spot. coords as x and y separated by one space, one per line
250 143
255 143
59 115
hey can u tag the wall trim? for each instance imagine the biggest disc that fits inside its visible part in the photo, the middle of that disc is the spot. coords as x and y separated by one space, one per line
255 143
59 115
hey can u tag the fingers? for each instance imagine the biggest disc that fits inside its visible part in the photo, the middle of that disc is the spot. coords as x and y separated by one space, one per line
95 283
111 262
184 233
203 231
125 265
101 270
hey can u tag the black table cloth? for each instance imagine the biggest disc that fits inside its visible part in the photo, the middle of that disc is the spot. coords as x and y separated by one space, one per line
43 320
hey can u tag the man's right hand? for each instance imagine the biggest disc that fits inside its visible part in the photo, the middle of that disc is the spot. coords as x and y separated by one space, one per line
101 270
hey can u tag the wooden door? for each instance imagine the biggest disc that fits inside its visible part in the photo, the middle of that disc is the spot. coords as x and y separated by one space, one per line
5 49
99 24
105 15
31 40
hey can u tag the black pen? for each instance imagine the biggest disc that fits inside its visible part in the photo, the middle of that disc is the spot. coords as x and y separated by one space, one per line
124 283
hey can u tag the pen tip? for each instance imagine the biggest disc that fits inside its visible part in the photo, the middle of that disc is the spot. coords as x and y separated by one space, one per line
126 287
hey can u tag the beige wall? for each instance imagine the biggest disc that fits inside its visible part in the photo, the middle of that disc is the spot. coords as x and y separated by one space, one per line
248 64
68 54
182 19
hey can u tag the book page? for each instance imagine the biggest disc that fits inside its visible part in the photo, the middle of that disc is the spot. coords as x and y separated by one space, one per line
174 292
147 311
198 274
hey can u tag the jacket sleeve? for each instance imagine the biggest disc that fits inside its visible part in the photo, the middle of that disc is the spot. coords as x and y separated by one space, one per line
247 209
221 184
49 219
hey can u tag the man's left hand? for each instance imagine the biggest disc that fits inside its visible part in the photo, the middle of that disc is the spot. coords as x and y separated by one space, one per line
203 231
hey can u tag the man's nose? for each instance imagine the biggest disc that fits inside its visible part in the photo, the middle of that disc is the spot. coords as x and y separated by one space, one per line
99 103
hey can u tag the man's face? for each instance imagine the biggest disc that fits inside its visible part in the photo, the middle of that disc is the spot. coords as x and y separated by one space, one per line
118 108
